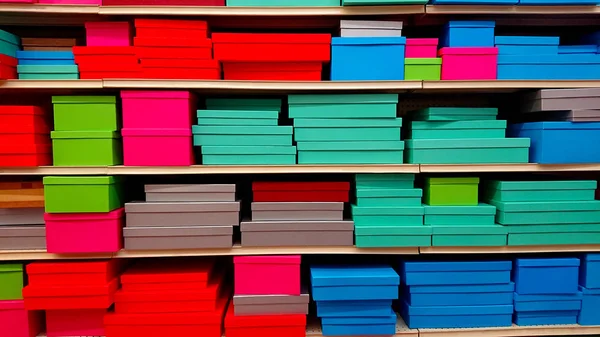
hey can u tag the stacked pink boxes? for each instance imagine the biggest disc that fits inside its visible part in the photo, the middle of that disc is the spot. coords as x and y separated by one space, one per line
157 128
421 62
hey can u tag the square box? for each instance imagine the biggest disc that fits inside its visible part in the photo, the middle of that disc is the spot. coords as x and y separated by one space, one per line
451 191
546 276
82 194
367 58
267 275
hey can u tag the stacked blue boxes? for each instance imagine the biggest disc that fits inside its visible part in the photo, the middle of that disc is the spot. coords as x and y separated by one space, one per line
47 65
547 291
443 135
456 294
355 300
589 285
243 132
541 58
367 58
347 129
389 212
546 212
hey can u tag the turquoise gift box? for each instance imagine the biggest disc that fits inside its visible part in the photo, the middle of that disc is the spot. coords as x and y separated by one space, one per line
242 135
387 216
385 180
455 114
392 236
343 106
546 213
389 197
480 215
469 235
467 151
544 190
457 129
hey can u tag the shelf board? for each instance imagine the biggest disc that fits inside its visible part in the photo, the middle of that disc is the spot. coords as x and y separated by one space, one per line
54 170
25 255
510 249
466 168
57 9
504 85
51 84
262 11
514 331
531 10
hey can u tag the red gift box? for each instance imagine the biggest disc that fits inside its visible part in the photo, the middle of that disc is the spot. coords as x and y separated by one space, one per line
99 75
75 322
8 67
17 118
183 274
182 69
163 2
73 273
172 42
249 47
27 155
49 297
87 56
264 325
300 191
173 53
165 28
276 71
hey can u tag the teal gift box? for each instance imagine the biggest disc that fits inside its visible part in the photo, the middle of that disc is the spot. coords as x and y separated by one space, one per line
9 43
387 216
248 155
547 212
457 129
457 236
455 114
237 117
48 72
467 151
480 215
283 3
388 197
346 134
343 106
260 104
242 135
543 190
392 236
565 234
372 152
385 180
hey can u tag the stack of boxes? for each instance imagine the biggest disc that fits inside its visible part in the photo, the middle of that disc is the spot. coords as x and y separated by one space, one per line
83 214
175 297
277 57
456 294
462 136
468 51
157 128
573 105
182 217
16 320
9 45
86 131
457 218
108 52
74 295
298 214
175 49
48 44
368 50
389 212
342 129
547 291
355 300
22 215
47 65
24 137
589 285
268 299
546 212
243 132
421 63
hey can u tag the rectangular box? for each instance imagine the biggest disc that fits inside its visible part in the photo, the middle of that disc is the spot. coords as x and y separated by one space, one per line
561 234
359 282
480 215
88 322
527 45
547 213
23 237
372 308
392 235
546 317
578 49
85 113
86 148
108 34
387 216
455 273
469 63
549 67
297 233
589 307
147 275
447 114
248 305
248 155
384 325
362 28
543 190
301 191
359 152
468 34
589 271
546 276
468 151
479 316
180 214
82 194
51 298
18 322
343 106
469 235
66 275
388 197
292 325
151 28
421 48
242 135
12 276
384 181
26 155
457 129
266 275
297 211
148 109
561 99
422 69
451 191
189 192
182 237
367 58
273 71
157 147
459 295
547 302
22 216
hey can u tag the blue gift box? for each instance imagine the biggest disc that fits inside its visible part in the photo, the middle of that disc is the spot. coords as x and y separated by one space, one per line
367 58
589 271
527 45
546 317
468 34
462 295
473 2
373 308
334 283
558 2
455 273
45 57
578 49
548 302
456 316
560 142
546 276
360 326
590 307
549 67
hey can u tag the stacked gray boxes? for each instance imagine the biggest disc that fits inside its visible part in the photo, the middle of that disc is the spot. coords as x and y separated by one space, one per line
22 229
575 105
190 216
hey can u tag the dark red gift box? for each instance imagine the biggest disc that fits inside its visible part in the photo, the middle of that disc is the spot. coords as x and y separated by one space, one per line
300 191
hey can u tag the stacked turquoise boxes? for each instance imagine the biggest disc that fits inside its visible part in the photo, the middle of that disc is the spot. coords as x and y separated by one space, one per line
462 136
243 132
389 212
347 129
546 212
47 65
456 217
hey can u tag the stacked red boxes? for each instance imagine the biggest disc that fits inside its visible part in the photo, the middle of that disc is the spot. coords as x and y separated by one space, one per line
24 137
175 49
292 57
75 295
170 298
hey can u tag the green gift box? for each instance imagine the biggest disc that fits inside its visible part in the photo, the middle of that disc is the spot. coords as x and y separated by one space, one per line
343 106
85 113
444 191
457 129
454 114
82 194
11 279
480 215
392 236
422 69
563 234
86 148
385 180
543 190
457 236
388 197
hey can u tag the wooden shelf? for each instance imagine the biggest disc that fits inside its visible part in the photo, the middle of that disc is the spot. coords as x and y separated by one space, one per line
510 249
503 85
54 170
25 255
531 10
51 84
58 9
514 331
466 168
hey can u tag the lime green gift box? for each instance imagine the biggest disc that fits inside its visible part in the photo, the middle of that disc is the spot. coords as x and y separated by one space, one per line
11 279
564 234
85 113
392 236
388 197
86 148
479 215
445 191
422 69
387 216
385 180
457 236
82 194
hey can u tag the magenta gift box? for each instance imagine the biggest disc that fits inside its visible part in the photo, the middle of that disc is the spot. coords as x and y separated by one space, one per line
71 2
421 48
157 147
267 275
80 322
157 109
18 322
108 34
84 232
477 63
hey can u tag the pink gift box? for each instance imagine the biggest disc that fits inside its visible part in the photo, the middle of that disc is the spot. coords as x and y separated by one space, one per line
480 63
267 275
157 109
18 1
108 34
18 322
71 2
421 48
84 232
84 322
157 147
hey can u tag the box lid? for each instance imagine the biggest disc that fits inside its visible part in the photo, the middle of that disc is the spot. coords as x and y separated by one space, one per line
559 228
21 110
155 94
389 192
183 207
235 114
189 188
83 99
390 318
101 180
586 291
242 130
481 209
271 299
458 310
422 42
107 25
591 257
361 41
548 297
271 259
471 288
392 145
468 143
177 270
547 262
171 42
455 266
546 206
44 55
347 123
171 24
576 49
361 210
300 186
25 148
367 177
469 230
468 51
128 132
84 134
297 206
392 230
52 291
542 185
256 321
47 69
275 38
472 24
451 180
71 267
527 40
8 37
353 275
365 24
342 99
295 226
453 125
210 292
557 59
458 111
112 215
423 61
187 231
6 267
23 231
248 150
104 51
11 305
557 126
565 93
